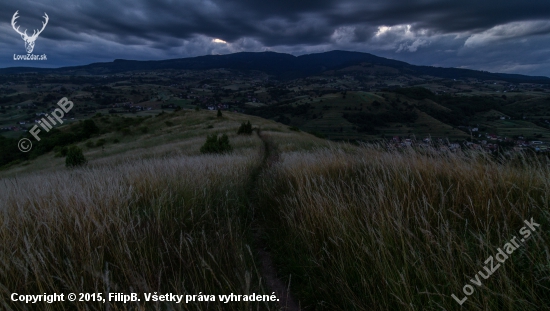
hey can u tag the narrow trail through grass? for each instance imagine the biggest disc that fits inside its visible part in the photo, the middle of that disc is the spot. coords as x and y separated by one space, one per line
267 268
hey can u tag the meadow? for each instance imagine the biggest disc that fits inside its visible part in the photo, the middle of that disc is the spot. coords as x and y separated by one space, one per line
174 225
349 227
369 229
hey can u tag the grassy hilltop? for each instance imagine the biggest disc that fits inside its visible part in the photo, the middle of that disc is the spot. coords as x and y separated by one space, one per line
346 227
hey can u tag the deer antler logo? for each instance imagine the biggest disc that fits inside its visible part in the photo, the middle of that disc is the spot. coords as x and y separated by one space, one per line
29 40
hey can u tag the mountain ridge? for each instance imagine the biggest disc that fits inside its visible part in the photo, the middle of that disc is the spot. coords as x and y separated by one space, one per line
281 65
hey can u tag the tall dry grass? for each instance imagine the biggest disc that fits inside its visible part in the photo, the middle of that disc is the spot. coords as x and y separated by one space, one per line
379 230
168 225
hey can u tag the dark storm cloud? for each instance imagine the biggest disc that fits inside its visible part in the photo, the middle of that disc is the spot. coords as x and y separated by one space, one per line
430 32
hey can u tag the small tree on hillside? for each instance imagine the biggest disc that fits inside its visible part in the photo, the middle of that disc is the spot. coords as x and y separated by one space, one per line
215 144
223 144
75 157
245 129
89 128
219 113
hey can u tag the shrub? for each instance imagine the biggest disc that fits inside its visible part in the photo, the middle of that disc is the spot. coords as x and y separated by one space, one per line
100 142
215 144
89 128
169 123
90 144
75 157
60 151
144 129
245 128
116 141
294 128
219 113
197 108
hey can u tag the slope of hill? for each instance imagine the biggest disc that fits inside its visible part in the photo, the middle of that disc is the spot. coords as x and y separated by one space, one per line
138 137
413 113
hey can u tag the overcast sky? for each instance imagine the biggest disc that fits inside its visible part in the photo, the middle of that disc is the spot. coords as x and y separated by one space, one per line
498 36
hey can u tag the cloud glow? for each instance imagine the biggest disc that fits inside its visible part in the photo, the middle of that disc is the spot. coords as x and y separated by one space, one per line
509 31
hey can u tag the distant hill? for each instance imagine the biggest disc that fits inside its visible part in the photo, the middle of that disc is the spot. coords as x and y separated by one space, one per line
283 66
